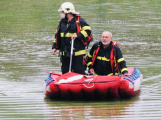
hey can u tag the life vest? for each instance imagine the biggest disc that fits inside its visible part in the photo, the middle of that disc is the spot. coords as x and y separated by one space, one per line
113 62
77 20
89 38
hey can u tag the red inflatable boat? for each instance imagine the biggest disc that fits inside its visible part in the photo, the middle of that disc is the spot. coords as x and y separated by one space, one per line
77 86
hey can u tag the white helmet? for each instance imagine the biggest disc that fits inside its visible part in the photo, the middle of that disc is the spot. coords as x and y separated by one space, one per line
67 7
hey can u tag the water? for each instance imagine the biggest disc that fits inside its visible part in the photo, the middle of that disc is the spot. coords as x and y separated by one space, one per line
26 34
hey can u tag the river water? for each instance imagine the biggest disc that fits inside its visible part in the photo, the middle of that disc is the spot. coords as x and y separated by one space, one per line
26 34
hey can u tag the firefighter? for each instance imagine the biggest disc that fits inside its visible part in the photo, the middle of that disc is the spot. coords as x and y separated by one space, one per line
105 57
66 31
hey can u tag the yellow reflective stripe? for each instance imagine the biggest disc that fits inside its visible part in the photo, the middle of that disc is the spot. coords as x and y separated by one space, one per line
61 53
80 28
62 34
81 52
116 73
124 69
95 73
120 60
103 58
99 58
112 74
89 55
86 28
89 63
54 40
67 34
84 33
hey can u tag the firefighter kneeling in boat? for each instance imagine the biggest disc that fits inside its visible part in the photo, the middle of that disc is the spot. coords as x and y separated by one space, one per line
105 57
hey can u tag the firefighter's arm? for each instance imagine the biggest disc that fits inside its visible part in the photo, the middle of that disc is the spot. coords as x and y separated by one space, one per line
85 30
121 61
56 42
90 57
54 51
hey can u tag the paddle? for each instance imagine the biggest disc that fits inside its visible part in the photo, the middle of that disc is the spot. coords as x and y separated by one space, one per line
71 54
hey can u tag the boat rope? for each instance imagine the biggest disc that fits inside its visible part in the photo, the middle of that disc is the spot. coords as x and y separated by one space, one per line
90 80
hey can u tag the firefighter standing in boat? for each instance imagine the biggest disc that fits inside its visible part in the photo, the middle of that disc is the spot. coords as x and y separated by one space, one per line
105 57
67 30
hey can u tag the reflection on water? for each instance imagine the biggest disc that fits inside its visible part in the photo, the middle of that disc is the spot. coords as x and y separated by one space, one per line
90 109
26 34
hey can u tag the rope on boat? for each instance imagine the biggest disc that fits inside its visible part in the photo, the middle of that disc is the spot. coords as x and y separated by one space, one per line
90 80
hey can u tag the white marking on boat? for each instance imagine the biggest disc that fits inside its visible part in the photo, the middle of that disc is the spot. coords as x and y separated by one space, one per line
131 85
70 79
138 82
89 79
48 88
